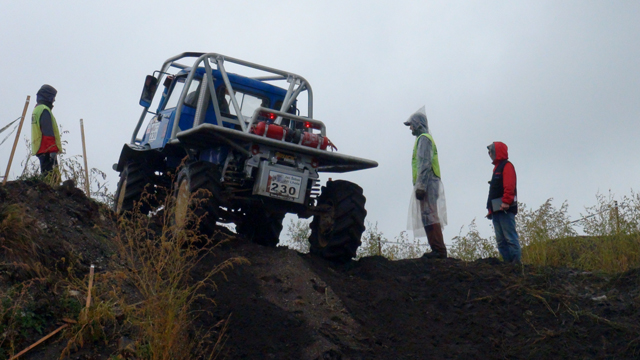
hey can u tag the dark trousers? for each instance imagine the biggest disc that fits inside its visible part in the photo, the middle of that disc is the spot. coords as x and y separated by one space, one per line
436 239
47 163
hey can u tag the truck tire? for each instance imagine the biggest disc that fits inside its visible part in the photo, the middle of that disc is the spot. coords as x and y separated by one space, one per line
133 179
196 176
335 234
261 227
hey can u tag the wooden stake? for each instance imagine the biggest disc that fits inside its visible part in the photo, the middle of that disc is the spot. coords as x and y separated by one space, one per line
39 341
89 292
86 169
90 285
15 143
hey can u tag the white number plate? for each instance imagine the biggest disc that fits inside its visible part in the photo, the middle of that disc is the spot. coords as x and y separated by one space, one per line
283 185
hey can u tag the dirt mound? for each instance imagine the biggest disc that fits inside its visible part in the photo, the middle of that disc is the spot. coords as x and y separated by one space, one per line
63 226
293 306
287 305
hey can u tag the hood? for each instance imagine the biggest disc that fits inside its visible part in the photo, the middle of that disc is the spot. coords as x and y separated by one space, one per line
419 121
500 150
46 94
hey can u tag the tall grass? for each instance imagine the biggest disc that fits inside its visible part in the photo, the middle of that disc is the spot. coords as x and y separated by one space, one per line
159 265
401 247
69 168
147 294
472 245
611 240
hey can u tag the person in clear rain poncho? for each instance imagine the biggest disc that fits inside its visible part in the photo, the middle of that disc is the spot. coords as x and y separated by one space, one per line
427 210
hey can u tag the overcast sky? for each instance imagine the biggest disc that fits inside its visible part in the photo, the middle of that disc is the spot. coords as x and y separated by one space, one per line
557 81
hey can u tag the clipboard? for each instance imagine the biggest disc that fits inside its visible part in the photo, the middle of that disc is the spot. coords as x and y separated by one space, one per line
496 204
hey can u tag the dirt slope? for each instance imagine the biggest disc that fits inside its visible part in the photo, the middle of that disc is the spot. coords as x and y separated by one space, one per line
287 305
292 306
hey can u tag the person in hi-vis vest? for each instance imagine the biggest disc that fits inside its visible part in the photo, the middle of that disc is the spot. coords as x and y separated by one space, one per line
428 210
45 136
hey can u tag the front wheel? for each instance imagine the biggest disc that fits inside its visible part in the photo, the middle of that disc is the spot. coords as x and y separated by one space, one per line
133 180
197 195
336 233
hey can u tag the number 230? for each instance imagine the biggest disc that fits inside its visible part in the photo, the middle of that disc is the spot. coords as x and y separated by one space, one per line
282 189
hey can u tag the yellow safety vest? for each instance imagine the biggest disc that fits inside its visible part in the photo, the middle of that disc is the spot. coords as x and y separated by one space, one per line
434 160
36 133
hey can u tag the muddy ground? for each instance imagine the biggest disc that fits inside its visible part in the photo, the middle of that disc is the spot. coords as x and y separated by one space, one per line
286 305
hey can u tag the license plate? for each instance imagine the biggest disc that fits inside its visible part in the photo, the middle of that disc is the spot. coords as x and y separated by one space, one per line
283 185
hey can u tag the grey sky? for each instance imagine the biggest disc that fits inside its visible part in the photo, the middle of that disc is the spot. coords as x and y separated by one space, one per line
557 81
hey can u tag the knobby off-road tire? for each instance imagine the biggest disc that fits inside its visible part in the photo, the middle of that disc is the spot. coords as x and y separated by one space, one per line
204 204
133 180
261 226
335 234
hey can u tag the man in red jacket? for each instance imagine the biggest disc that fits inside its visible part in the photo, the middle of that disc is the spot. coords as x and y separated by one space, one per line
502 203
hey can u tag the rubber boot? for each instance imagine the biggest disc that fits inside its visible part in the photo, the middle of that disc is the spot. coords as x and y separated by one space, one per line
436 242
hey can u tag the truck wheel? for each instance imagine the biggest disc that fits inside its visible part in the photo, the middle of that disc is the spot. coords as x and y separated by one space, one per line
204 204
262 227
133 179
335 234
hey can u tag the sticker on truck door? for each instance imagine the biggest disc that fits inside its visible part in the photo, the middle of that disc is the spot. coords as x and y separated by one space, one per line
283 186
153 135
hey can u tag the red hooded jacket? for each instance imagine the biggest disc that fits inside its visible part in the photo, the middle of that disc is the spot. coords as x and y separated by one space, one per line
508 173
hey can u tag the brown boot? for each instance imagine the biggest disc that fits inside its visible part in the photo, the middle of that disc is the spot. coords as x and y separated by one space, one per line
436 241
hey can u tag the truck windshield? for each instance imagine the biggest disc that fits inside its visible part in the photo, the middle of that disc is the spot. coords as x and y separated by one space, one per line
192 95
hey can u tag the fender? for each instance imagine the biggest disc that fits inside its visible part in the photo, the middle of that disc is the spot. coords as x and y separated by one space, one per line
139 153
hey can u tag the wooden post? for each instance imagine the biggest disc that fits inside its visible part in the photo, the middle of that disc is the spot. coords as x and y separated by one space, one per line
15 143
89 291
379 246
87 183
39 341
617 218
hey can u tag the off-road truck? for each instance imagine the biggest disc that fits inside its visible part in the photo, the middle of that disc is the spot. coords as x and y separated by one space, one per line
243 139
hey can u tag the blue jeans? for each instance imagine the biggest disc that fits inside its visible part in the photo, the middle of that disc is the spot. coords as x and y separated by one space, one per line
506 236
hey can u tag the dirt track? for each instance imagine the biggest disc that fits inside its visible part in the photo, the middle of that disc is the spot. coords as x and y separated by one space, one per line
287 305
291 306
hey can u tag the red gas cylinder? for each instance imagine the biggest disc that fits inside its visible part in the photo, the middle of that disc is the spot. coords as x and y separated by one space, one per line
312 140
273 131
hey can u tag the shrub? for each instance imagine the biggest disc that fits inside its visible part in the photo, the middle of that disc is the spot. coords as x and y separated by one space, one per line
298 233
472 246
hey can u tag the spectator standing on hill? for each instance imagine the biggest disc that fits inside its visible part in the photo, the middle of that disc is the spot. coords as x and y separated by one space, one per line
45 136
428 212
502 204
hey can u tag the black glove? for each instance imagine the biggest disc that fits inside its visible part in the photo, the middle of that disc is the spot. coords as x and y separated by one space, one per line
420 193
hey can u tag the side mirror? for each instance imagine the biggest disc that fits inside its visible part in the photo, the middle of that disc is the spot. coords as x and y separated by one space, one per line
148 91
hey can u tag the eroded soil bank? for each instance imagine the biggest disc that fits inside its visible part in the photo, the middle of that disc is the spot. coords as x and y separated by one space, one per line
286 305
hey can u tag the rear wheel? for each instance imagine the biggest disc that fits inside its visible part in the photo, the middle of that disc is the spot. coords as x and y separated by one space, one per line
261 226
336 233
198 196
133 179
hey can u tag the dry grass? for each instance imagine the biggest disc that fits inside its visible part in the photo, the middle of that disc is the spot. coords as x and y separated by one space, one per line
152 289
548 237
69 168
611 243
146 296
609 254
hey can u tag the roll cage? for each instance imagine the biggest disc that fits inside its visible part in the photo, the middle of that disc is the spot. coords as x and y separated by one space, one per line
297 84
